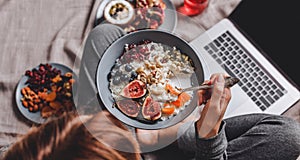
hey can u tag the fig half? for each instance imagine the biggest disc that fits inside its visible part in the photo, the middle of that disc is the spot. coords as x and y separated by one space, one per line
134 89
129 107
151 109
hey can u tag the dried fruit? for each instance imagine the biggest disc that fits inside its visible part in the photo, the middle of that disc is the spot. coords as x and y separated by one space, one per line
182 99
51 96
168 109
129 107
151 109
57 79
135 89
172 90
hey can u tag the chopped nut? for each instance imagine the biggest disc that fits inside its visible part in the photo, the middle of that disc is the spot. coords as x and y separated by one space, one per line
143 79
30 103
25 103
152 67
35 107
23 91
140 70
68 94
36 100
68 74
72 81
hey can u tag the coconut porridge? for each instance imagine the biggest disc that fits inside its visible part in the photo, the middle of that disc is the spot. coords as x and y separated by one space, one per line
147 79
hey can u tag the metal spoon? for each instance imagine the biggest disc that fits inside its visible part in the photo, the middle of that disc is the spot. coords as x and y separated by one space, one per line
229 82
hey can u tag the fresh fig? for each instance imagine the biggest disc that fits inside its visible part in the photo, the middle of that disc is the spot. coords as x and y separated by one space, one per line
151 109
134 89
129 107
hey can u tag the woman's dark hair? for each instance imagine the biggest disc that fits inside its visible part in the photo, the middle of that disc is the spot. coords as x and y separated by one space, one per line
73 137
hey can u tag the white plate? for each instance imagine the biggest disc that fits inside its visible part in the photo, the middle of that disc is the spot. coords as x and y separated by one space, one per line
169 23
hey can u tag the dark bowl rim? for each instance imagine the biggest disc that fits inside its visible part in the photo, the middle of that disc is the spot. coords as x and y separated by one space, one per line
135 123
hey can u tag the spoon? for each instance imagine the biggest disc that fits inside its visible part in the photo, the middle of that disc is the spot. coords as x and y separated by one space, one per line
229 82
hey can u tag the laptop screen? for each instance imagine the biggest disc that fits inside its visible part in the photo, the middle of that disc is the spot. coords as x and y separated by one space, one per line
274 28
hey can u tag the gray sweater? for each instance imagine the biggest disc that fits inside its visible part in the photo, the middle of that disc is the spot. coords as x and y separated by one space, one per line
213 148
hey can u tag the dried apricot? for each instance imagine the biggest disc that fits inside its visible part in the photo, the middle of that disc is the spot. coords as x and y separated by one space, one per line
182 99
42 95
168 109
57 79
172 90
51 96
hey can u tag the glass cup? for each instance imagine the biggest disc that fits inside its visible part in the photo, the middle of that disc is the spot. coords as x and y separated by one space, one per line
193 7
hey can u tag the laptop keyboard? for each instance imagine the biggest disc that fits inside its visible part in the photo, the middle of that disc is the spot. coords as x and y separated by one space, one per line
258 84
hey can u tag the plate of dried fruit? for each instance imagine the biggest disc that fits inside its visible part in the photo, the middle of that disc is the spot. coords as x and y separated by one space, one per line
46 91
133 15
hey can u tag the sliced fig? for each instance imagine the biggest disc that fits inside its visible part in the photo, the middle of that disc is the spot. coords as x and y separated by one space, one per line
151 109
135 89
129 107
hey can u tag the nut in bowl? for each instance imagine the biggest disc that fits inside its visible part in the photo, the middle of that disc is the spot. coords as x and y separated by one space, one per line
46 91
144 69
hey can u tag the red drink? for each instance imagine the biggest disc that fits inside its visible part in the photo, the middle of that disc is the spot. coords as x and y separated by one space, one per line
193 7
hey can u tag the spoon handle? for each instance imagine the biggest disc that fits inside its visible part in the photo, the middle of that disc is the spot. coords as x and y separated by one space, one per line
201 87
229 82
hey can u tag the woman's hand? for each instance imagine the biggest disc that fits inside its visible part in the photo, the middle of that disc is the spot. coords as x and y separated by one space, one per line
216 102
161 137
147 137
208 125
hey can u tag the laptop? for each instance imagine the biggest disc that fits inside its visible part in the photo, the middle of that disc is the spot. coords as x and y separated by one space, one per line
253 44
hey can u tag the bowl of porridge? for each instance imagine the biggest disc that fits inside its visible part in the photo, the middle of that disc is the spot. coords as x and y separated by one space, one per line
139 79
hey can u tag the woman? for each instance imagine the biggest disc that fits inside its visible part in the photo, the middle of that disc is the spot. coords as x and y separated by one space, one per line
253 136
242 137
101 136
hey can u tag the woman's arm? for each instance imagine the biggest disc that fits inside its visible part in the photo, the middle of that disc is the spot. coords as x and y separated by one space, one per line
205 138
